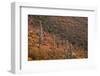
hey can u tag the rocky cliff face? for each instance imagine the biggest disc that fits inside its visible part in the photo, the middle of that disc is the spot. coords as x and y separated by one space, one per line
57 37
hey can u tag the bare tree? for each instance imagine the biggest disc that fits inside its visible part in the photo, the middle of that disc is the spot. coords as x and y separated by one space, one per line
41 32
